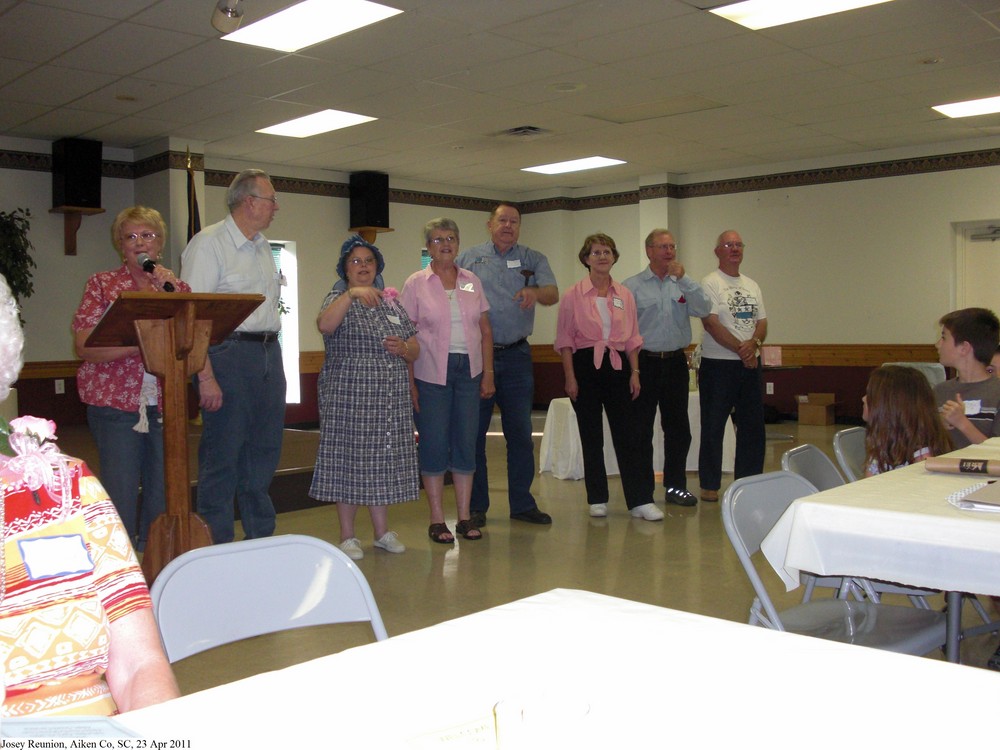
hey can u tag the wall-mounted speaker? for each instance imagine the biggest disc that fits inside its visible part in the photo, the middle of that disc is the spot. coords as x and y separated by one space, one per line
369 193
76 173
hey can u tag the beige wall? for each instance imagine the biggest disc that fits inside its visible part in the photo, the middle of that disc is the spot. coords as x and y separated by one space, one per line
871 261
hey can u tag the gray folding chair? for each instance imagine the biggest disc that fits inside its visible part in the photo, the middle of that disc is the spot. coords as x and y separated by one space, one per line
849 448
750 508
810 462
227 592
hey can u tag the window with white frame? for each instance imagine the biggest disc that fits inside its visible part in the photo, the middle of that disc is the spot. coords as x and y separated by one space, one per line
286 263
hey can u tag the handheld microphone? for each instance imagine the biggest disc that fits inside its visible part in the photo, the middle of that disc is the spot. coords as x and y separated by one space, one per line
148 264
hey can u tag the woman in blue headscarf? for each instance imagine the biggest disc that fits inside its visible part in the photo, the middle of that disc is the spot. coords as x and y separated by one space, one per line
367 451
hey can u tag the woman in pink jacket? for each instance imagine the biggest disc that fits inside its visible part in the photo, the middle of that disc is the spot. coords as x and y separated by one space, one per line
454 370
598 338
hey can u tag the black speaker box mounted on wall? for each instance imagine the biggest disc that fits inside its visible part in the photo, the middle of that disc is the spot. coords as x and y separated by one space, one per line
369 199
76 173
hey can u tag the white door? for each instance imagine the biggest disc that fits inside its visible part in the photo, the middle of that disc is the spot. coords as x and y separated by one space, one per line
979 268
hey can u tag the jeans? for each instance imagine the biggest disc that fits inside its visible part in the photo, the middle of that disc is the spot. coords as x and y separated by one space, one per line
130 460
601 391
448 420
241 442
727 387
664 384
515 393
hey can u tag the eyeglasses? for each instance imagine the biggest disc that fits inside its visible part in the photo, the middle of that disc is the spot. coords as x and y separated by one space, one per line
665 246
362 261
450 239
144 236
600 253
273 198
733 245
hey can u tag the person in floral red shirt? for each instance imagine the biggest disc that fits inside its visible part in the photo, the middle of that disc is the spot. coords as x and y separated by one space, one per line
122 398
78 635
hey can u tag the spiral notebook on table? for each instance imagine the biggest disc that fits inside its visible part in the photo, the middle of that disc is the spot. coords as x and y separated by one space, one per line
984 496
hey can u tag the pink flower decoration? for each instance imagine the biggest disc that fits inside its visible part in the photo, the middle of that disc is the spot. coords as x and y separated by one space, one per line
43 429
35 461
390 295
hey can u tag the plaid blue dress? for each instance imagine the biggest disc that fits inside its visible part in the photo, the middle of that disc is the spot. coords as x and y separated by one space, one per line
367 451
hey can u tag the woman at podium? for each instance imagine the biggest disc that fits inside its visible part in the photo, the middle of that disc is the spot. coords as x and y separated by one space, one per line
123 400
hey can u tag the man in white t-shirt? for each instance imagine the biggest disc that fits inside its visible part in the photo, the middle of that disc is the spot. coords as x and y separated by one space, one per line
729 379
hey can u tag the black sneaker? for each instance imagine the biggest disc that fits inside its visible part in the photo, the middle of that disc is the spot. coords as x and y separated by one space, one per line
679 497
533 516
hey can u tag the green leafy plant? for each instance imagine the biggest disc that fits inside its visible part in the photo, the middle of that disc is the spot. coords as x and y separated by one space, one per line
16 263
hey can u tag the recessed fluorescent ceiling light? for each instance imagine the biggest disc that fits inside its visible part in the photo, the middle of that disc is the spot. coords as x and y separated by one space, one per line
576 165
970 108
321 122
762 14
309 23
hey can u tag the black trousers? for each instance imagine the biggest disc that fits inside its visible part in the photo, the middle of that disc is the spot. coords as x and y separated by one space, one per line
606 390
664 382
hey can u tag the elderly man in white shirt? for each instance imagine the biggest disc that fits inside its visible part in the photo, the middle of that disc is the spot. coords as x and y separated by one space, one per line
242 387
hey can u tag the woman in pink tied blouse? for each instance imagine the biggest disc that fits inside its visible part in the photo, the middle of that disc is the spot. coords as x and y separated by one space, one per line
598 339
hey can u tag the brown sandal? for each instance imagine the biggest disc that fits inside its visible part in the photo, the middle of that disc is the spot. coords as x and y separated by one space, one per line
469 530
440 533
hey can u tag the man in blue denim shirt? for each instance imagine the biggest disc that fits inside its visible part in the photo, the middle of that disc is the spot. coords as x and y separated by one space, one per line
515 278
666 300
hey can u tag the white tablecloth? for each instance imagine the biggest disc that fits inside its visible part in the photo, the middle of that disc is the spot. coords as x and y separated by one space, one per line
562 454
897 526
536 657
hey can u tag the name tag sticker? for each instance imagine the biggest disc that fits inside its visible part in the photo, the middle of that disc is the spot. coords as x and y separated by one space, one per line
53 556
468 287
973 407
513 264
394 319
617 302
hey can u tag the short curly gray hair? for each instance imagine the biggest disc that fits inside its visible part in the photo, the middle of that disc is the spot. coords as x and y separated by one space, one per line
11 340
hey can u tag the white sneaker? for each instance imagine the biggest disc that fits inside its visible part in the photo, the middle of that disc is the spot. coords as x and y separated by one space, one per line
647 512
352 548
390 543
599 510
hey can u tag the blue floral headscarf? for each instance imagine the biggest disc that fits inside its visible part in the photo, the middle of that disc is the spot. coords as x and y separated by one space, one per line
352 242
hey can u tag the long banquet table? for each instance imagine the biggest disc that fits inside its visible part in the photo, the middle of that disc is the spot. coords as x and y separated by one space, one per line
562 454
581 670
897 527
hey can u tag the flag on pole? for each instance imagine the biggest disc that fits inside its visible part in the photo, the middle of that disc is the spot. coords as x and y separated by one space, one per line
194 219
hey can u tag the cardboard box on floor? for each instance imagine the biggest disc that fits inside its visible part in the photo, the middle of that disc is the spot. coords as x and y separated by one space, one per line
817 408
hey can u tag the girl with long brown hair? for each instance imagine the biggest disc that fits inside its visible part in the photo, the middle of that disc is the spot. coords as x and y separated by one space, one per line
904 425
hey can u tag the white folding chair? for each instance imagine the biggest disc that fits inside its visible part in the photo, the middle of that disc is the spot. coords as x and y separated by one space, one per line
849 448
227 592
810 462
750 508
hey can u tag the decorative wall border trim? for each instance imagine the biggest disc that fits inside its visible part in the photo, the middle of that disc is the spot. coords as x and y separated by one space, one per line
456 202
850 173
26 161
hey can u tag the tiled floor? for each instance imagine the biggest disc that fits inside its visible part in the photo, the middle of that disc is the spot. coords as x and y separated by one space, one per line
684 562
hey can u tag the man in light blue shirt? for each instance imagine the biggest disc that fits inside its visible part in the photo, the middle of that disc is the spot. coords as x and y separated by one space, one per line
515 278
241 390
666 300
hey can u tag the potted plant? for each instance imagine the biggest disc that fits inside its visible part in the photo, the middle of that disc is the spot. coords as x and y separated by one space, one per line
16 263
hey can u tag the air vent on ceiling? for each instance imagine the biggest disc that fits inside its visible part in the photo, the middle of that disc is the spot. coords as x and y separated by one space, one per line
524 132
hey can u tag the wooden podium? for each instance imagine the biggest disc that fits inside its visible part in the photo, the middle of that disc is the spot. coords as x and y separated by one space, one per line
173 331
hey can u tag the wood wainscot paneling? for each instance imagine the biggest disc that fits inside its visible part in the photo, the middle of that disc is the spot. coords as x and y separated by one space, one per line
842 369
